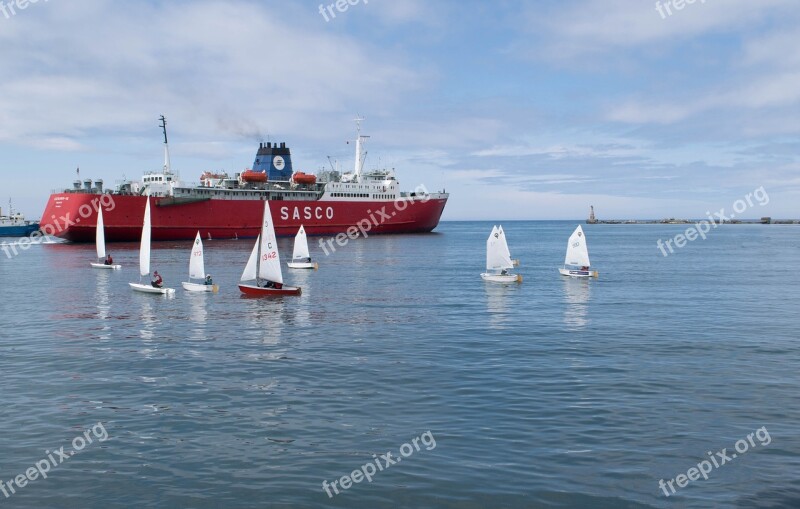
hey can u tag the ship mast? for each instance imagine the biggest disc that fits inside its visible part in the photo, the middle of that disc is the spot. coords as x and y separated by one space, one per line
163 126
360 158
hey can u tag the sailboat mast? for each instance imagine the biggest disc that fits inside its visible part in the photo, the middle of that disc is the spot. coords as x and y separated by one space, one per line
261 240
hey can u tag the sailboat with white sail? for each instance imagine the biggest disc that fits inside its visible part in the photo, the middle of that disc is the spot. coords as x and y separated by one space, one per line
498 260
301 258
144 258
576 263
264 266
504 243
197 270
100 241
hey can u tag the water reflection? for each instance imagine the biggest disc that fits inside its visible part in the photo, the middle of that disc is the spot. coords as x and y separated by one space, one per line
497 304
103 278
147 317
198 314
265 319
355 253
300 308
577 292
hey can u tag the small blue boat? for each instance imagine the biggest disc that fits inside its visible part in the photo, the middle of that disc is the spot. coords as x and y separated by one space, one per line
15 225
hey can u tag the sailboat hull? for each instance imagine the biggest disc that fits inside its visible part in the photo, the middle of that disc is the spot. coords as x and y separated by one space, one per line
196 287
502 278
578 273
138 287
257 291
104 266
303 265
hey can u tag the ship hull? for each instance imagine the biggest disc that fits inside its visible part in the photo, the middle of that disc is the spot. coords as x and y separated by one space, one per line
73 217
18 231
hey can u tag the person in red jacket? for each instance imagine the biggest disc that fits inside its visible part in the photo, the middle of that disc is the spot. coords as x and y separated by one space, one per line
109 260
157 282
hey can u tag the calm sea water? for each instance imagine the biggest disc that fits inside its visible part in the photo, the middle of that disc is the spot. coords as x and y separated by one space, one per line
553 393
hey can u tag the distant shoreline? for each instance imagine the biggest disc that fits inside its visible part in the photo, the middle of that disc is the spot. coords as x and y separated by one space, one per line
631 221
763 220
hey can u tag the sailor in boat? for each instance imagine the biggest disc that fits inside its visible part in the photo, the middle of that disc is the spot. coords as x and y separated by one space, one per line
109 260
584 268
272 284
504 272
307 259
209 281
157 281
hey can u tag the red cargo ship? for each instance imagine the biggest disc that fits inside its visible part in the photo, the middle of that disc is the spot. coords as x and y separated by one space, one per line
224 207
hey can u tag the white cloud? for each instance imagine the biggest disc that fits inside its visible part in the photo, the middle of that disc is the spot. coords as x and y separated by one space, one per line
215 66
774 49
598 26
401 13
446 102
559 151
773 90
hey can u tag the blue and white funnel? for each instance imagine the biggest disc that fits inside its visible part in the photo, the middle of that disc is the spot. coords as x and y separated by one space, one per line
275 160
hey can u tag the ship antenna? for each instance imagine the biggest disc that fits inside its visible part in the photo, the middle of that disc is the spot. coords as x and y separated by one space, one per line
358 121
359 161
163 126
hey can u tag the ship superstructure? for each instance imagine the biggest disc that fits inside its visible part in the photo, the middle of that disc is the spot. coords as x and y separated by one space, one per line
220 205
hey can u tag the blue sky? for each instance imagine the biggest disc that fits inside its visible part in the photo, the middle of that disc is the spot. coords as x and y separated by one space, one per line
520 109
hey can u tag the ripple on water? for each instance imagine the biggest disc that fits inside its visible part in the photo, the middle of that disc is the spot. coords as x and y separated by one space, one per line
552 393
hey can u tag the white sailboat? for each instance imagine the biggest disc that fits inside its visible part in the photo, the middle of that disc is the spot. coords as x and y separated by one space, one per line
197 270
576 263
498 260
100 241
265 264
144 258
301 258
504 243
